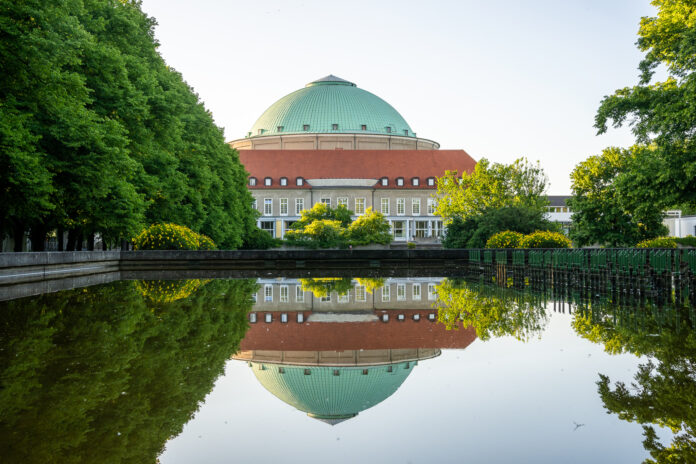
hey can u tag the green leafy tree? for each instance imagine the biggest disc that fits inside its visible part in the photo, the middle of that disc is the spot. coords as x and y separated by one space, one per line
323 286
601 214
321 211
370 228
661 114
320 233
491 186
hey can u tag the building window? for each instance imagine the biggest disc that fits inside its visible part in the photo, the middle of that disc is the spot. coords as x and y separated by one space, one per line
326 299
415 206
259 132
385 181
280 128
253 204
254 297
400 206
267 182
438 229
284 297
299 181
385 206
421 229
268 292
359 206
283 181
252 317
405 131
432 293
283 206
326 201
416 292
299 294
299 206
360 294
400 181
268 226
342 201
363 127
305 127
252 181
431 181
343 298
388 129
431 206
268 207
415 182
386 293
401 292
334 126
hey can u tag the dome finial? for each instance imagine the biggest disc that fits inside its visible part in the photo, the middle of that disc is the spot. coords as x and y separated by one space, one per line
330 80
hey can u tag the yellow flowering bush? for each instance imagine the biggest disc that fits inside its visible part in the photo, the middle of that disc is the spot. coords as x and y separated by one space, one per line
658 242
545 239
171 237
505 239
166 291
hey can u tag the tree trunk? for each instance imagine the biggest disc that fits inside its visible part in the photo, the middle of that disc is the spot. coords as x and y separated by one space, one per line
18 236
90 242
104 247
38 238
72 238
78 240
59 234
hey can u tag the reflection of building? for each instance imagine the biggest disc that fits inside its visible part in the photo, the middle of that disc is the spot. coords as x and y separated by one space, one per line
678 225
334 363
558 211
335 143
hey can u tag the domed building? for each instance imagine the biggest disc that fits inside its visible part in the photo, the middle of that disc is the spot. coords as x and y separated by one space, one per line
335 143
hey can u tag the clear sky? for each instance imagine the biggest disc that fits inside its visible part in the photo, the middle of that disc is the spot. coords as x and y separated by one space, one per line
499 79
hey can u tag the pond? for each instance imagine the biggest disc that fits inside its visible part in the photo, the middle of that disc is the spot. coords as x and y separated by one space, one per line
479 368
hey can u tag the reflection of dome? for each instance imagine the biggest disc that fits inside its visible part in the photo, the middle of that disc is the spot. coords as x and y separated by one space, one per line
332 394
331 105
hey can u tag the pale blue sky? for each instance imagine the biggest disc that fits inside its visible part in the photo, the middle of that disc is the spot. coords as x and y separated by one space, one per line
499 79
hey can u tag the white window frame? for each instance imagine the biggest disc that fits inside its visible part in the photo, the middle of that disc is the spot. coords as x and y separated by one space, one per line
361 202
415 206
432 292
431 207
400 292
283 181
299 206
386 293
385 181
416 292
344 298
360 293
431 181
400 181
421 232
283 203
299 181
299 294
326 299
342 201
267 181
254 203
415 181
252 181
326 201
284 294
268 292
384 206
268 206
401 207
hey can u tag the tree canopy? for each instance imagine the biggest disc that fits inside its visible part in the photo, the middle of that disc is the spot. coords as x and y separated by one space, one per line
99 135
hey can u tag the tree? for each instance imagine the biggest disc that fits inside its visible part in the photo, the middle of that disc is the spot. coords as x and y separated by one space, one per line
491 186
599 203
662 114
322 211
369 228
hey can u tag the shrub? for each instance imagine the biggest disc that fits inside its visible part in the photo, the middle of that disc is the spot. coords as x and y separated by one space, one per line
323 286
505 239
545 239
411 245
171 237
258 239
166 291
658 242
322 233
370 228
688 241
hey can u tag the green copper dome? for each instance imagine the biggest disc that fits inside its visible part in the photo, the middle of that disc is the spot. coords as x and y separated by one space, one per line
328 397
331 105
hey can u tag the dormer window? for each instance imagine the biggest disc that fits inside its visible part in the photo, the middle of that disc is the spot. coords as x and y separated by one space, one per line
400 181
385 181
431 181
252 181
405 131
363 127
299 181
305 127
260 131
283 181
267 181
334 126
415 182
388 129
280 128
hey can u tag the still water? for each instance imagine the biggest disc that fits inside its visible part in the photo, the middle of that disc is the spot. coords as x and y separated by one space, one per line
392 369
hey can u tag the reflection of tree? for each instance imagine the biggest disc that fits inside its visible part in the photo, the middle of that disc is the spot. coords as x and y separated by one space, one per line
371 283
321 287
664 389
97 375
492 311
166 291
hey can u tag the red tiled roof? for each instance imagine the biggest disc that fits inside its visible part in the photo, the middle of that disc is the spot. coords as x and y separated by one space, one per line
353 164
375 335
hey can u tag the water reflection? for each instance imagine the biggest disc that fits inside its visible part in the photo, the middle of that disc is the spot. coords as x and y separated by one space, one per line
106 374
